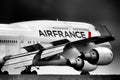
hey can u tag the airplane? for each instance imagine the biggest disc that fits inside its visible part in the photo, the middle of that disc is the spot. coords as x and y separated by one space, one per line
58 43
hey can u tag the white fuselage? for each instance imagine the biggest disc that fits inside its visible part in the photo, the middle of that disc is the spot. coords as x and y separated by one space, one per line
15 36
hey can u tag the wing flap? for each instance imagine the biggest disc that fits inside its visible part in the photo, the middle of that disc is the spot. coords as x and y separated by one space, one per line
34 47
60 42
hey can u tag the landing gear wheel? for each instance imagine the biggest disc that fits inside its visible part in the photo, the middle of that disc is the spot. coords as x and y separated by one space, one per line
84 73
5 72
24 72
34 72
28 71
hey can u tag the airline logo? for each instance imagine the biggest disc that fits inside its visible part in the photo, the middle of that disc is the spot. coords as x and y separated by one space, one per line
59 33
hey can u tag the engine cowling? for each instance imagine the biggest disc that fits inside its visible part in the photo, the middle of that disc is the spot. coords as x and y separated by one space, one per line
76 59
88 67
81 65
99 56
71 53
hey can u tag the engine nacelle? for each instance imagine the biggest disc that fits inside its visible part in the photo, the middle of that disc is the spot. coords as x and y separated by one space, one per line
81 65
88 67
99 56
76 59
71 53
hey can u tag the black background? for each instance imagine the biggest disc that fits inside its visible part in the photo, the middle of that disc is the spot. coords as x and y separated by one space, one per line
91 11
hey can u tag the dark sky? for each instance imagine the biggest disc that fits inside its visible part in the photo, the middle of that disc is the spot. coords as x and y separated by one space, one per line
91 11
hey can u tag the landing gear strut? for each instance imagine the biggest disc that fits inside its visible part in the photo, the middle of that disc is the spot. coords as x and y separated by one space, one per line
28 71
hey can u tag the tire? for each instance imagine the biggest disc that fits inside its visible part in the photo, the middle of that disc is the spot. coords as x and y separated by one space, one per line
84 73
5 72
23 72
34 72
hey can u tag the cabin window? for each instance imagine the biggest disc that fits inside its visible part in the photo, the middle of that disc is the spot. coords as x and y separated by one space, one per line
29 42
8 41
34 42
15 41
21 41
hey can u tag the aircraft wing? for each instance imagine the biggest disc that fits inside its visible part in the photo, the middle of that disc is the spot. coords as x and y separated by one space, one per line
39 49
59 45
96 40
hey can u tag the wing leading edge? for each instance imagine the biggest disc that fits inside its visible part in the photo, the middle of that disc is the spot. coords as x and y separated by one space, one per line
96 40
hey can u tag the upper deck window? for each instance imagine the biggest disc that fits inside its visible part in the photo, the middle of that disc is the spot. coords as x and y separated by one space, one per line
8 41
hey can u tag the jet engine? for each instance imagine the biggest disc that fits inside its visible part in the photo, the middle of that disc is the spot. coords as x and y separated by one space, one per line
76 59
99 56
81 65
88 67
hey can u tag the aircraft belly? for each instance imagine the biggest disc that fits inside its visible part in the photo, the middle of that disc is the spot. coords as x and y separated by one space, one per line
17 68
18 62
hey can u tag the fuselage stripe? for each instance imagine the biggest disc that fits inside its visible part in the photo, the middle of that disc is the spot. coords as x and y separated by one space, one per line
89 34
